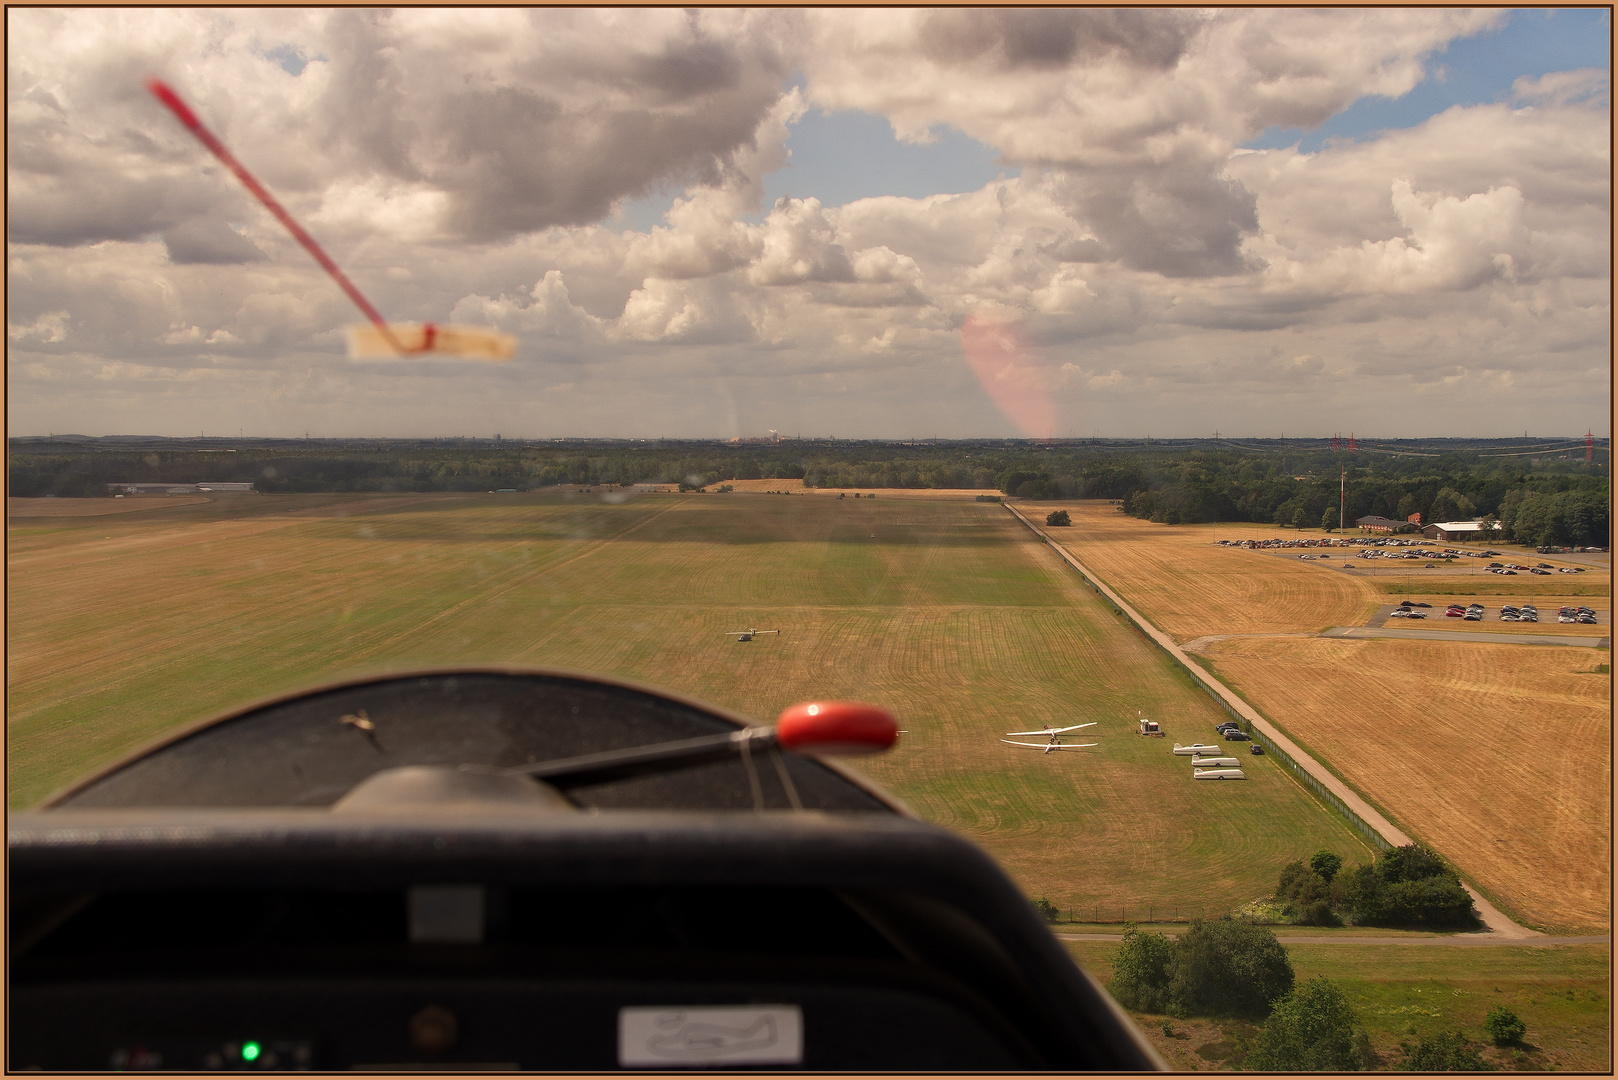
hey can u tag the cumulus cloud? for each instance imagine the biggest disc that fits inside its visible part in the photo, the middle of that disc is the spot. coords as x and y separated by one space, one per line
462 164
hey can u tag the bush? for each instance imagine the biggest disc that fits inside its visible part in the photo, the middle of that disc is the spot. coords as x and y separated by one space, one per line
1443 1053
1046 909
1408 886
1140 974
1301 885
1307 894
1225 966
1311 1029
1504 1026
1317 913
1058 517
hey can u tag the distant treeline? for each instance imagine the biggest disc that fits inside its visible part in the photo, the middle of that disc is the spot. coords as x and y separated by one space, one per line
1545 502
1537 500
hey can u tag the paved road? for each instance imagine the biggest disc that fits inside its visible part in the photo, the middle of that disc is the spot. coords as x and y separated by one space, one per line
1461 635
1452 939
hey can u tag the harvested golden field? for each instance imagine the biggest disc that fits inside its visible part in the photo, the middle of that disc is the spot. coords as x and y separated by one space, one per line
1188 586
1497 755
949 612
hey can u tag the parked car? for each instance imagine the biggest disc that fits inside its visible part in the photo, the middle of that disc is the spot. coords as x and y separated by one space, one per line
1473 616
1242 736
1589 619
1543 565
1256 749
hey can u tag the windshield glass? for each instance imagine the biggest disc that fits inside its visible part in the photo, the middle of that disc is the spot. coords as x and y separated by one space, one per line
1121 398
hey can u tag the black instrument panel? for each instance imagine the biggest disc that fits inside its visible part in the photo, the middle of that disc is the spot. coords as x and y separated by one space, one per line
214 903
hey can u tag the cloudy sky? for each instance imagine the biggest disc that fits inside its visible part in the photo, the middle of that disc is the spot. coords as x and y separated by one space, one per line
864 223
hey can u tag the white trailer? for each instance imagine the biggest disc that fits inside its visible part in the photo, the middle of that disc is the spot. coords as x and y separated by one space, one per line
1219 774
1216 762
1194 749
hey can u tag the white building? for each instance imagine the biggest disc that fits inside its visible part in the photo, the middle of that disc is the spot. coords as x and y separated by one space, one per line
1454 530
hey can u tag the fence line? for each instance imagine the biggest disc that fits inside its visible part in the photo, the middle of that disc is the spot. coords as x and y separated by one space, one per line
1381 833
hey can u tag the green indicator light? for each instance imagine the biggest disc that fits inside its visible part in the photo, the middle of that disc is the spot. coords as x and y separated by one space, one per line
250 1051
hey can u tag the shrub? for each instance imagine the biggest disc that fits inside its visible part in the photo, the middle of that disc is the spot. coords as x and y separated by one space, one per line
1311 1029
1300 885
1408 886
1225 966
1046 909
1140 974
1504 1026
1443 1053
1058 517
1318 913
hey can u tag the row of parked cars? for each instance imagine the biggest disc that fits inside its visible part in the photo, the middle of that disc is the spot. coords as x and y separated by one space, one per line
1576 615
1508 613
1233 732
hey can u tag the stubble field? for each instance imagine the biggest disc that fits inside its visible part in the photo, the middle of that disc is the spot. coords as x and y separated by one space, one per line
124 626
1496 755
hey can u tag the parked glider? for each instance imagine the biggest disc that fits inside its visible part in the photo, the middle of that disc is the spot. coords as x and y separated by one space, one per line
748 635
1056 742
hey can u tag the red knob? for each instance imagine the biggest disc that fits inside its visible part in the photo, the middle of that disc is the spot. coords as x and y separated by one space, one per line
836 727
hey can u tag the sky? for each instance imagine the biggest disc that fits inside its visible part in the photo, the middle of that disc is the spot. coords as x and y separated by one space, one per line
865 223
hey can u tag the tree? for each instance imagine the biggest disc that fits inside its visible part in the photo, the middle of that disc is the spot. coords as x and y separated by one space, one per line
1504 1026
1046 909
1443 1053
1058 517
1451 505
1140 974
1328 520
1326 864
1298 517
1227 967
1311 1029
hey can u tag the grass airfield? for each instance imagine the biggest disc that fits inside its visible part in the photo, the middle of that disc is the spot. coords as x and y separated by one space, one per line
129 621
125 625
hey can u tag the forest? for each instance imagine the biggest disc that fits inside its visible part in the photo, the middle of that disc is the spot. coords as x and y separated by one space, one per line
1549 497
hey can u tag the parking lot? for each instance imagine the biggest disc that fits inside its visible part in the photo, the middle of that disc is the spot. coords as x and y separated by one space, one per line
1434 622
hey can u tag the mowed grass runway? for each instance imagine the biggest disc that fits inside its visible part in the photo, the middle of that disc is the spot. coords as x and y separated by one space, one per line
124 626
1499 756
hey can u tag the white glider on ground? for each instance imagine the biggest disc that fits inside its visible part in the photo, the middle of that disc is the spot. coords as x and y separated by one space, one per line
1056 742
